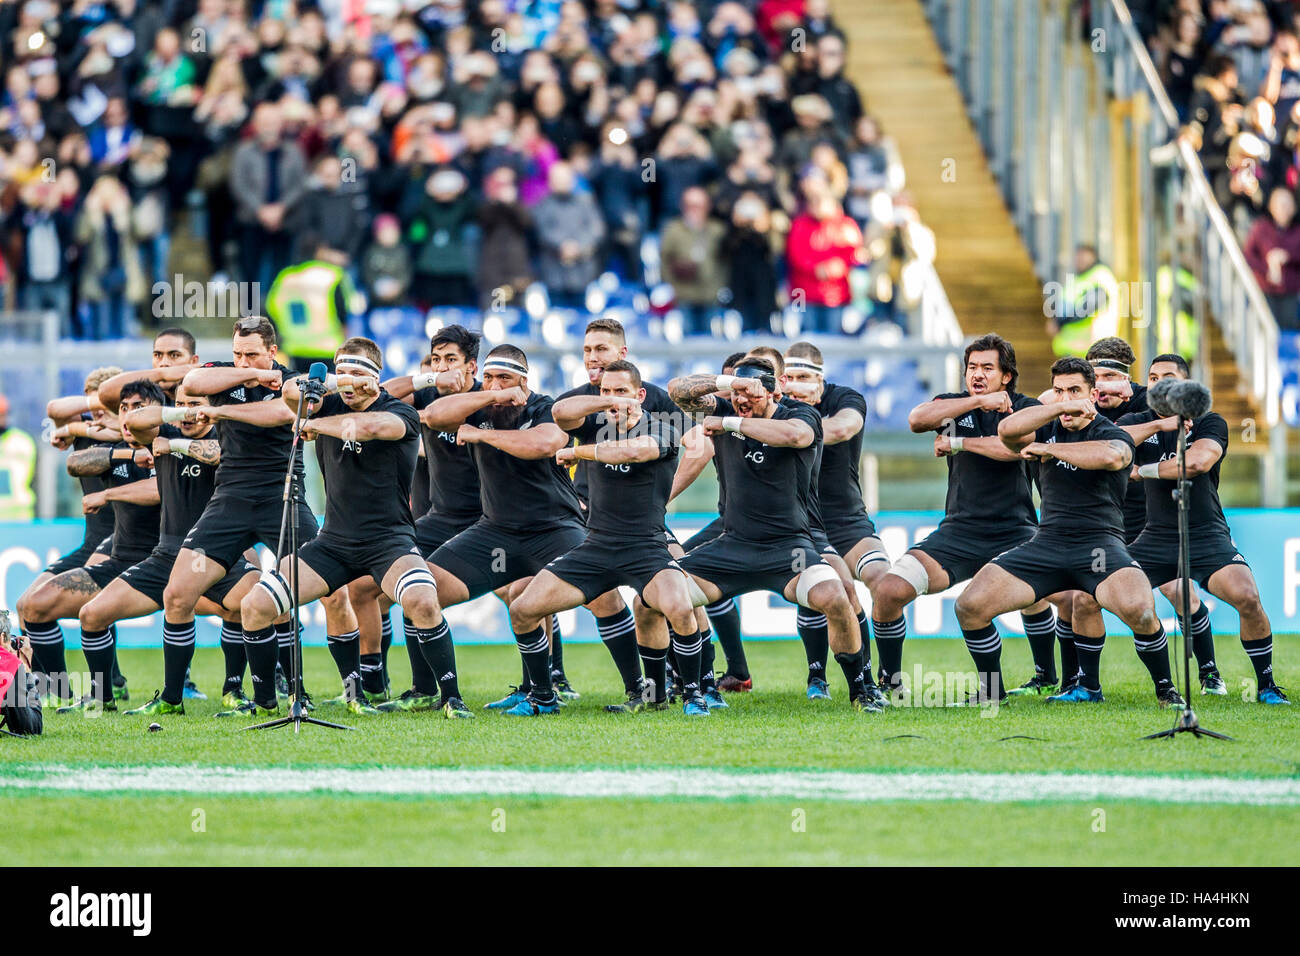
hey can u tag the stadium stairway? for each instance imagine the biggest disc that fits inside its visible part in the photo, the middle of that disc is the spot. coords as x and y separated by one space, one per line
984 266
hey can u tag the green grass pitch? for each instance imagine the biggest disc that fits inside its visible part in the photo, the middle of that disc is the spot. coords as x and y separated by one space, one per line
136 820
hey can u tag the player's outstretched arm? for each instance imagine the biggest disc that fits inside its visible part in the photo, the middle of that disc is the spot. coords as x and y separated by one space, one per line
640 449
357 426
841 426
697 450
95 461
989 446
145 421
937 413
70 408
222 378
1141 431
448 382
450 411
1201 456
110 390
262 414
693 394
781 433
570 413
143 492
529 444
1017 429
1108 455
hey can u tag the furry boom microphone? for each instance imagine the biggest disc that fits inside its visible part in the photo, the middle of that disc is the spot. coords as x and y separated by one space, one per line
1181 397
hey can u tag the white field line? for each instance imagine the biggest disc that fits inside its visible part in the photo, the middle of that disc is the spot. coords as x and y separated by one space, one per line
848 786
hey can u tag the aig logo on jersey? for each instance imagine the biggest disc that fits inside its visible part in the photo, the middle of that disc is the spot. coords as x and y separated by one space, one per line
192 470
353 446
756 456
622 469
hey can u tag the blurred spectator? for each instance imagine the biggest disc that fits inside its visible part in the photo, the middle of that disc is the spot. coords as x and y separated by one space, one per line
823 246
829 82
569 232
386 266
146 174
1273 250
267 180
615 175
684 161
751 265
439 233
868 169
45 228
112 138
691 250
111 279
503 267
334 211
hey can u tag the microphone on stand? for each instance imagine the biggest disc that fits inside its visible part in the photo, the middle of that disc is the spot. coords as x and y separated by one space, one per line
313 389
1179 396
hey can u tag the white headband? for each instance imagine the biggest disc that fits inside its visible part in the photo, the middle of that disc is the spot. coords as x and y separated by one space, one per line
499 364
358 361
804 363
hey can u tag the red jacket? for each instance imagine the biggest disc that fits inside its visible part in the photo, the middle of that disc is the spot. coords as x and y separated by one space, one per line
811 244
1264 237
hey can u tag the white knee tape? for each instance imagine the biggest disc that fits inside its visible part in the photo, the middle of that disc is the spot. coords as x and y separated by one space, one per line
913 572
276 586
698 598
413 578
810 577
867 558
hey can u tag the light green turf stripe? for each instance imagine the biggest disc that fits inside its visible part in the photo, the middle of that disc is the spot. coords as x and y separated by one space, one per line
672 783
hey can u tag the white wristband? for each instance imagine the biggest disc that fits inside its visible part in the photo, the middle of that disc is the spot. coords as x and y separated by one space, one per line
1149 471
956 444
423 380
181 446
173 414
331 382
724 381
732 424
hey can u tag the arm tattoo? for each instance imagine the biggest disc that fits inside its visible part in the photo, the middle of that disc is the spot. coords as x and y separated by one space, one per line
90 461
207 451
1125 451
694 393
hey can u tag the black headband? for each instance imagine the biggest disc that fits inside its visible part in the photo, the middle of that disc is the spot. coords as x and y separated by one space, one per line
753 371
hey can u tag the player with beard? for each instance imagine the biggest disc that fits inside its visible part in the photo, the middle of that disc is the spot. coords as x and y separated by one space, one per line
768 450
132 491
454 495
367 442
632 456
254 429
989 509
531 513
1079 544
185 456
604 342
80 423
723 616
1216 563
844 523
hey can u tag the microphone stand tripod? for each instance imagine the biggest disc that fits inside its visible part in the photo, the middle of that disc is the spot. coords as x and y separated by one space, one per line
1186 722
297 714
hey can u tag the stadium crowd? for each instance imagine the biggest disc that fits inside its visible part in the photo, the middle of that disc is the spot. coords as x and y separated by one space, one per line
448 153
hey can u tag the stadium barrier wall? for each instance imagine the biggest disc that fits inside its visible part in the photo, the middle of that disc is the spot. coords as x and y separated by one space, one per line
1269 539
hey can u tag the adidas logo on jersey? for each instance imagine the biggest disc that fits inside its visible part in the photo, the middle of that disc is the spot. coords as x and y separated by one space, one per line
238 394
966 422
1153 440
122 471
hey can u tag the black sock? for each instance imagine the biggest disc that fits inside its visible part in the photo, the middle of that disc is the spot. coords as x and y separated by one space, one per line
49 656
1069 657
525 683
618 633
655 662
178 652
985 646
864 632
98 648
537 664
1261 658
851 664
236 656
557 646
372 674
262 649
346 651
1088 651
439 658
284 640
815 633
423 678
1203 640
889 643
724 620
1040 629
118 679
1153 650
708 679
687 648
385 642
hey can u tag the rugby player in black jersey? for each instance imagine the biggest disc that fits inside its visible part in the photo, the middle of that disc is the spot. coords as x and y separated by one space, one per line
768 451
842 516
531 513
1217 565
604 341
989 509
632 456
185 456
78 429
723 616
452 479
367 443
132 492
254 428
1079 544
173 357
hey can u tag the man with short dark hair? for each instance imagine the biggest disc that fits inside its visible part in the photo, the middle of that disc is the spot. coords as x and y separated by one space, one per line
1216 563
173 357
1079 543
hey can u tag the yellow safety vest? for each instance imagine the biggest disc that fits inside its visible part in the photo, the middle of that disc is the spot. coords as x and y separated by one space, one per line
1177 326
302 305
17 468
1094 304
